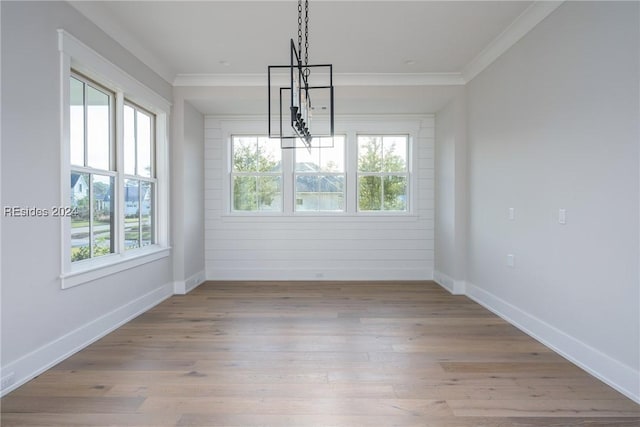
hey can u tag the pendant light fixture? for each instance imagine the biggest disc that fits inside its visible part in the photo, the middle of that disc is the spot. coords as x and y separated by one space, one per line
301 96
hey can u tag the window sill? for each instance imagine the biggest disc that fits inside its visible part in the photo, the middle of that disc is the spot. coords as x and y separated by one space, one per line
104 266
318 217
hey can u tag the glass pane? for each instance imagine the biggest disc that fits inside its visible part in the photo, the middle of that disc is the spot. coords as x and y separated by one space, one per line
395 193
307 160
369 154
269 191
331 193
269 155
129 140
102 215
395 153
76 122
131 213
245 154
98 129
244 193
321 159
144 143
319 193
332 158
146 213
369 193
306 193
80 247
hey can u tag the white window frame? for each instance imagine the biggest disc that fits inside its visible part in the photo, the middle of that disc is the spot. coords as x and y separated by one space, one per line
318 174
383 174
254 174
152 180
350 126
92 171
77 56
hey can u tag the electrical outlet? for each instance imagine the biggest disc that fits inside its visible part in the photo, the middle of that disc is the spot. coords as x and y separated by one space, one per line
7 380
562 216
512 214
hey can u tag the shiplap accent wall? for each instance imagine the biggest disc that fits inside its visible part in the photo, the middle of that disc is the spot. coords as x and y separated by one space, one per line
320 247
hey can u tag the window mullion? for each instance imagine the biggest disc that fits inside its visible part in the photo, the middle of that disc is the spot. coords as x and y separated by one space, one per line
85 116
91 203
382 176
288 181
351 166
119 181
139 213
135 142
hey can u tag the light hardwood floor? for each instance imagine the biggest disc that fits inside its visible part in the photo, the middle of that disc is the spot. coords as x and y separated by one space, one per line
317 354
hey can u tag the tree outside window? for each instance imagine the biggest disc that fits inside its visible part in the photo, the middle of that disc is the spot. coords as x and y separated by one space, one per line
382 172
92 176
256 174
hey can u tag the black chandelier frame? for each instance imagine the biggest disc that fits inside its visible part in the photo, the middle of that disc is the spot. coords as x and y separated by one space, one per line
299 90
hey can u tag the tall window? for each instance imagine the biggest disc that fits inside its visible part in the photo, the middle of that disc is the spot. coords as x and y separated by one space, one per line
382 172
320 178
256 174
139 170
94 175
92 172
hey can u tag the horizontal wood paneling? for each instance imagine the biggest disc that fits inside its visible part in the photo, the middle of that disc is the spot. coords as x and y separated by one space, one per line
309 246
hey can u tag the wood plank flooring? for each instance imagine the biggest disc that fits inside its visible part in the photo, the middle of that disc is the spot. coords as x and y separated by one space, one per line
317 354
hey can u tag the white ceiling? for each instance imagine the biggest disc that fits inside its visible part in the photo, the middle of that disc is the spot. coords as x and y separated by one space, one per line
210 40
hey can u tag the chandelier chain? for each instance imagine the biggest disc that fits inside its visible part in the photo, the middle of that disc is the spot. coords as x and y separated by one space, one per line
306 32
300 26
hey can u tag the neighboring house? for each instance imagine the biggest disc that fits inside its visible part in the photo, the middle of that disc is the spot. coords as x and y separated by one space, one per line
315 192
132 198
79 188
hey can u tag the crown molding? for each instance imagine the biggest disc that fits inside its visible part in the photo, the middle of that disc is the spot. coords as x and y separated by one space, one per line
399 79
339 79
524 23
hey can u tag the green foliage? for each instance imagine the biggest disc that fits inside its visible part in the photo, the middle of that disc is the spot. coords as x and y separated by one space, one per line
380 192
254 192
101 246
84 252
369 193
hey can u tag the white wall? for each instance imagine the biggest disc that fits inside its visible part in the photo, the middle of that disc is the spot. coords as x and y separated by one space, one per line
187 211
315 246
41 323
194 191
553 123
450 194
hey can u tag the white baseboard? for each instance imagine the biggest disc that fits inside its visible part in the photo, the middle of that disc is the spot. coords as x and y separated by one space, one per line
325 274
183 287
33 364
621 377
455 287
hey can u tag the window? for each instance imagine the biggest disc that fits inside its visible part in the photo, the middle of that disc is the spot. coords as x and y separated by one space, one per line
139 183
114 167
367 173
382 172
320 178
256 174
92 177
